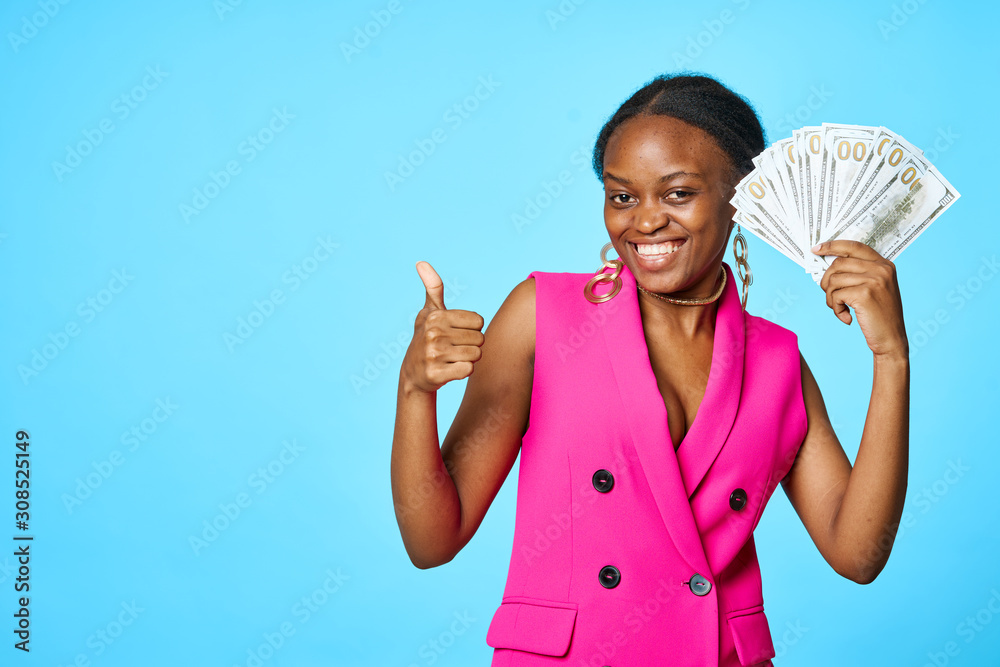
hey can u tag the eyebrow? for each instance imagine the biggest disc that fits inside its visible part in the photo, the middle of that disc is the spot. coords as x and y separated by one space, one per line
667 177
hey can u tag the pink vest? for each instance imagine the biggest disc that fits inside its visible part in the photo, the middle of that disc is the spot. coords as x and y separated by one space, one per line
625 551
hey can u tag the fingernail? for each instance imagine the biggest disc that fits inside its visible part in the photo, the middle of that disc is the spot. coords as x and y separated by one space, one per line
815 248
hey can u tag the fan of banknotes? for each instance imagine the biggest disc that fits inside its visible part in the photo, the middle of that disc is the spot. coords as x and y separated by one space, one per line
834 181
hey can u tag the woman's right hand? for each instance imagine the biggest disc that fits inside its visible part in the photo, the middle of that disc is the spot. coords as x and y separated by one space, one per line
446 343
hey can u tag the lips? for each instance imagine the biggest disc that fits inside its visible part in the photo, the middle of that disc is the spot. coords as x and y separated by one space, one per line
657 250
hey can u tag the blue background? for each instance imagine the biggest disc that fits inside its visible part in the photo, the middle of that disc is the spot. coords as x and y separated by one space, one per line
313 378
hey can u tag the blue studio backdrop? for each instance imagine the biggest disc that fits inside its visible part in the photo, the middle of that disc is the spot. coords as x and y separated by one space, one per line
212 211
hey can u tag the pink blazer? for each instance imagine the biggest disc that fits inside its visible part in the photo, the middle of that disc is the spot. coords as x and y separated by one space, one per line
625 552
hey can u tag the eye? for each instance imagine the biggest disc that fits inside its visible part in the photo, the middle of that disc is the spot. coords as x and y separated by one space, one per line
614 198
681 194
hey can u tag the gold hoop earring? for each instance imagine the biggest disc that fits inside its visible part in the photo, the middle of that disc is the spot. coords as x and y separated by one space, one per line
601 277
742 268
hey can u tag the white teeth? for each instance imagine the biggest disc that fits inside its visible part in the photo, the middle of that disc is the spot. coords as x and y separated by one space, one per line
653 249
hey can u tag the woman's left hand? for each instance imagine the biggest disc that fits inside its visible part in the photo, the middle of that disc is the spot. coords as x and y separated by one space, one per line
864 280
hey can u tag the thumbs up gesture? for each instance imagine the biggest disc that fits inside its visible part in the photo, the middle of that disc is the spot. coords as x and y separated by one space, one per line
446 343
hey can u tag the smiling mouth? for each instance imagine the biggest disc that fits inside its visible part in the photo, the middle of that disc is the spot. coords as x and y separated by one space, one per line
657 250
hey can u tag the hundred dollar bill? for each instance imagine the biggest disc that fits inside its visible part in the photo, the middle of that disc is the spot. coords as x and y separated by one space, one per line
891 223
783 154
888 181
889 151
762 231
755 197
771 176
768 176
822 194
810 146
839 181
845 149
764 163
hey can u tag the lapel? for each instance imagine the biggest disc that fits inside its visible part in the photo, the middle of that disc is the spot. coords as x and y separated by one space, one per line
673 477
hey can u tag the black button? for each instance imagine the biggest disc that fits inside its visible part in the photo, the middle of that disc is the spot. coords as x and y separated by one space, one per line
738 499
610 576
603 480
700 585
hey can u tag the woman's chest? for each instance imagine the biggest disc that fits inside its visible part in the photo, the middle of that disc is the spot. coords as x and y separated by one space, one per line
682 373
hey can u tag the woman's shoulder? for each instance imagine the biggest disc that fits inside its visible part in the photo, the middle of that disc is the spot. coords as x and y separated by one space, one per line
558 284
765 332
515 319
561 276
540 291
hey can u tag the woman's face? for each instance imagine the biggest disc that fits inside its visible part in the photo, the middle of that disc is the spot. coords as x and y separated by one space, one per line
668 182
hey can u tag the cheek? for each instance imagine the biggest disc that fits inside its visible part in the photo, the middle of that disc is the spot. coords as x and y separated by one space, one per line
718 210
710 220
616 217
701 215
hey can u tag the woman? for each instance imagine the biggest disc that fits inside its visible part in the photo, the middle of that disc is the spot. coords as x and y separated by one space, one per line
633 541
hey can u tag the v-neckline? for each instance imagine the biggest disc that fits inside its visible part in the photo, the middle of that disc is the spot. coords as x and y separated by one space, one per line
674 475
712 379
645 411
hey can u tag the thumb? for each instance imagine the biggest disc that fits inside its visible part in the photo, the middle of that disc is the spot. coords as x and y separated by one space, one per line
843 313
433 285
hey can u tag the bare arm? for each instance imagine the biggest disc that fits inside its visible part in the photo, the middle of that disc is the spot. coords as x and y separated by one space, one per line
852 514
442 494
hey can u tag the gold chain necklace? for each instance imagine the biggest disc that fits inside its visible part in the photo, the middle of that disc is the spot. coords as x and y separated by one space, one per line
690 302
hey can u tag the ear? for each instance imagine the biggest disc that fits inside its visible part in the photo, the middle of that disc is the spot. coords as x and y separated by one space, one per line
735 176
729 232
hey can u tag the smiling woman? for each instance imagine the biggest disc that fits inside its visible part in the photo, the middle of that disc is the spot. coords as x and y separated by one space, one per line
665 225
662 415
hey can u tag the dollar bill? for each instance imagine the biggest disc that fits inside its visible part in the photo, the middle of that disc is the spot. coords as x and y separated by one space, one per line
840 181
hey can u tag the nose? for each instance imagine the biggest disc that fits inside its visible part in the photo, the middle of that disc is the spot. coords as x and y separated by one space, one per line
651 217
